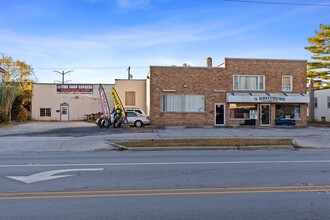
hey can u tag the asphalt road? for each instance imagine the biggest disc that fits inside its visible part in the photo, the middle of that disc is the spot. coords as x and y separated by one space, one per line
167 185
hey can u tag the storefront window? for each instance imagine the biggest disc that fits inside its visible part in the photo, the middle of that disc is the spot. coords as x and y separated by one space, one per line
243 111
291 112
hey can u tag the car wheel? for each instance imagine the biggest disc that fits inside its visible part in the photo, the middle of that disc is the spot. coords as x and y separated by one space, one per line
138 124
106 123
117 123
100 122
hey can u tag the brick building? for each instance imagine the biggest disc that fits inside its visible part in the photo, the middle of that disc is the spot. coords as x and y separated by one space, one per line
255 92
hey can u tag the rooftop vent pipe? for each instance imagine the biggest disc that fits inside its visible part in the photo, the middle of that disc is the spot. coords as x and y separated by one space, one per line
209 62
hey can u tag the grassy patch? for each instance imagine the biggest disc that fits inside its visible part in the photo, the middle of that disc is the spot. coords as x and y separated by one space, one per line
311 123
207 142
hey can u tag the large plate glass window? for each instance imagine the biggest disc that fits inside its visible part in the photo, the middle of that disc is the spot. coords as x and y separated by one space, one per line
287 83
243 111
182 103
248 82
289 112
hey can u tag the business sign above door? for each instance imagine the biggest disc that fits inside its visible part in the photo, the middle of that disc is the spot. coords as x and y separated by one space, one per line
74 88
266 98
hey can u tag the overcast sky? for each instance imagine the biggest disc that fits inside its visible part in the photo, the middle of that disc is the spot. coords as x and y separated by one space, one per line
99 39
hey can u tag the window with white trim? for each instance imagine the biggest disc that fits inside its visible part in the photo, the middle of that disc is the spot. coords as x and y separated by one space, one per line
249 82
287 83
182 103
45 112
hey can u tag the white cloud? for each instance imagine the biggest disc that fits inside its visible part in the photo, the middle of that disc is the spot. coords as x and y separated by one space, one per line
132 4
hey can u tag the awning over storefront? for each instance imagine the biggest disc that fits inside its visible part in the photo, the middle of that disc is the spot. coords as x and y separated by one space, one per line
266 98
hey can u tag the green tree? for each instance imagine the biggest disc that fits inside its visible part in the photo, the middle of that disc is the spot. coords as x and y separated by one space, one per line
319 70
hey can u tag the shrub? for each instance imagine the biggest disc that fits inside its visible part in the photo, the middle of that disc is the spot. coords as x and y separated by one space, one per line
3 116
22 115
17 107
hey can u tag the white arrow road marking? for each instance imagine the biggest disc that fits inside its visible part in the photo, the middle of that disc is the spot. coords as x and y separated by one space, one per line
48 175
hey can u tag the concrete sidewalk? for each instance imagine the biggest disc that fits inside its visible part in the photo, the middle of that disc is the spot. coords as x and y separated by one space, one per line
310 137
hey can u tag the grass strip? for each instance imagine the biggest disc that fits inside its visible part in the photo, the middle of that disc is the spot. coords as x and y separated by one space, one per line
207 142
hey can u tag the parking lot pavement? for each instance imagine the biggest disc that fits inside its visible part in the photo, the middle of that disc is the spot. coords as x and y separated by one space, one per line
42 127
63 129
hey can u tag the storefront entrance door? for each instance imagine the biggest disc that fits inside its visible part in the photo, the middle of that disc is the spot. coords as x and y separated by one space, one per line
64 113
219 114
265 114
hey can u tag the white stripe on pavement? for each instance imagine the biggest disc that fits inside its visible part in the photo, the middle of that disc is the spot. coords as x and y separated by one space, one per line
163 163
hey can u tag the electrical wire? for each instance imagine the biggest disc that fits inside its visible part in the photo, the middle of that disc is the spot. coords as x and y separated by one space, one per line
87 68
279 3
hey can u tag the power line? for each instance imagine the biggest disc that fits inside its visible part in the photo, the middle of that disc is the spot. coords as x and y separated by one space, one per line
87 68
279 3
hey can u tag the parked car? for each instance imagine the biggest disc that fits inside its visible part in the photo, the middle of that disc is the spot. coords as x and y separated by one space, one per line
133 118
137 119
134 110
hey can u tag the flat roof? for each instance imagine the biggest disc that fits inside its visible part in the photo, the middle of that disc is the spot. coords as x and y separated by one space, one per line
72 84
222 65
214 67
264 59
130 79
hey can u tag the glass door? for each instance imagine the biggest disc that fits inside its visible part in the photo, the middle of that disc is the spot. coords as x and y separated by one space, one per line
265 114
64 113
219 114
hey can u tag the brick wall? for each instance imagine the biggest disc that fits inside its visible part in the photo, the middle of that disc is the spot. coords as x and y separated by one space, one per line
273 70
204 80
199 81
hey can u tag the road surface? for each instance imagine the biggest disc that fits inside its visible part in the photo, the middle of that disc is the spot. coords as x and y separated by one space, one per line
166 185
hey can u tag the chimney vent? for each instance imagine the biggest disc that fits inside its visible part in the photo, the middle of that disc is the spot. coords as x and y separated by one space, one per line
209 62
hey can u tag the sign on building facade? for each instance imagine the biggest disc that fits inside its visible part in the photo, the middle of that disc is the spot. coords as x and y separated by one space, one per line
75 89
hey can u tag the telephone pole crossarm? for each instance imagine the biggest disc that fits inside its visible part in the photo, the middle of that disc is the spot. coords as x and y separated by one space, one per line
63 73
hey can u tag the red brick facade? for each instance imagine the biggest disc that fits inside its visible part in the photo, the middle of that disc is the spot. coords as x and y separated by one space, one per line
214 83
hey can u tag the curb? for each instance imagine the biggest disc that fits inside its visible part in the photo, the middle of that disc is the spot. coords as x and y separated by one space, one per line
117 147
200 148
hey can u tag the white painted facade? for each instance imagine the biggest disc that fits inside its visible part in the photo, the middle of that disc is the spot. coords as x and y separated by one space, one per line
45 96
322 106
50 104
137 86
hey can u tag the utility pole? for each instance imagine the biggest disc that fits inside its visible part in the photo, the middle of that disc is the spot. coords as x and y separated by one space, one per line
63 73
129 73
311 100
